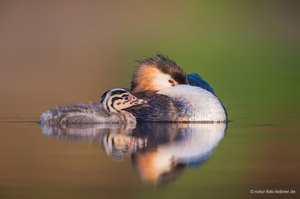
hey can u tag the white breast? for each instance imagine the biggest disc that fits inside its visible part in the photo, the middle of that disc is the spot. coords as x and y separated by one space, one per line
199 104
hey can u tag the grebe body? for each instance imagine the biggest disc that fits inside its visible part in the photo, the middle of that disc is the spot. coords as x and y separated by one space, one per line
172 95
195 104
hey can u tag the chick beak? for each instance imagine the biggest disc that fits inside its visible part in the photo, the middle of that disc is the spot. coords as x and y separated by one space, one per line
136 101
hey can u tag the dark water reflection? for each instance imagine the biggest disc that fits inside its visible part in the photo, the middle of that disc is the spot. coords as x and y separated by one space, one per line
159 152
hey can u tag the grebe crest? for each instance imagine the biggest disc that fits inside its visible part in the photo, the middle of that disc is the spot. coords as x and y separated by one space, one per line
157 73
118 99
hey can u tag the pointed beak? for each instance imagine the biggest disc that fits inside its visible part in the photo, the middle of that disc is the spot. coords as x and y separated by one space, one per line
137 101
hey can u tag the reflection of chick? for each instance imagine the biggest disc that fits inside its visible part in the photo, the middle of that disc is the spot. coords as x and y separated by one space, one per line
172 95
120 145
110 110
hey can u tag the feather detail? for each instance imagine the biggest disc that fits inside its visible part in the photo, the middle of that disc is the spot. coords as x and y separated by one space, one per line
83 114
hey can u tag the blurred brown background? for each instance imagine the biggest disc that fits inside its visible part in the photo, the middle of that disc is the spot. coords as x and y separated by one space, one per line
69 51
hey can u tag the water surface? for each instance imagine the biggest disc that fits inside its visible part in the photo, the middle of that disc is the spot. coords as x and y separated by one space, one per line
149 160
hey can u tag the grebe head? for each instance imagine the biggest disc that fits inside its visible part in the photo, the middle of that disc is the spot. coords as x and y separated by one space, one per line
157 73
118 99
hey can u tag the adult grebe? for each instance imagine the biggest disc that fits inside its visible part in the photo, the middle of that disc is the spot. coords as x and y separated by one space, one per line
172 95
111 109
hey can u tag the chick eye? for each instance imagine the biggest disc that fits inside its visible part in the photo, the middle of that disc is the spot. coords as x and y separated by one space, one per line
125 98
118 103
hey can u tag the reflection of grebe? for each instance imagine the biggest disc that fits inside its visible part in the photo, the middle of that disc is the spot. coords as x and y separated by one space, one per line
159 151
110 110
168 152
165 87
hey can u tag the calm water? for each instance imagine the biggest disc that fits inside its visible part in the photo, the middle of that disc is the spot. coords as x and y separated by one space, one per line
148 160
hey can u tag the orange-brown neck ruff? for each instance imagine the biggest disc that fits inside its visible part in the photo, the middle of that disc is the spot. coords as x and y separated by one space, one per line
144 79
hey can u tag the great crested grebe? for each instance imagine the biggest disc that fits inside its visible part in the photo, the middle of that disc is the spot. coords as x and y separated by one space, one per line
172 95
111 109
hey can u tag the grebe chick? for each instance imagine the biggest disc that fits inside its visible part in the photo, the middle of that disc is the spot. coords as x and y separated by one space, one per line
111 109
172 95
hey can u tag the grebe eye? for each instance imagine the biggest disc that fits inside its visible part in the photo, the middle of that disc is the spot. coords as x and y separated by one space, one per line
125 98
171 81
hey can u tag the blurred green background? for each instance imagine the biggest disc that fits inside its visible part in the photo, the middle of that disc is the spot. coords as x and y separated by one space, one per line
60 52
